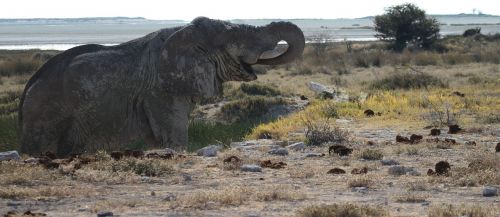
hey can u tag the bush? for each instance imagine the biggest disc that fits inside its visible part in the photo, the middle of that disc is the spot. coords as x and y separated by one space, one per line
202 134
371 154
259 89
318 134
342 210
472 32
407 80
407 24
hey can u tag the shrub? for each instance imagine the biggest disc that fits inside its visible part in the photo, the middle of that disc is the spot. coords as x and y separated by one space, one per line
342 210
318 134
472 32
202 134
407 24
371 154
259 89
407 80
473 210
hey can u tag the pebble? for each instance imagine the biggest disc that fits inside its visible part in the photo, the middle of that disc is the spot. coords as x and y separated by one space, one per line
401 170
209 151
490 191
279 151
9 155
251 168
169 197
389 162
297 146
104 214
314 155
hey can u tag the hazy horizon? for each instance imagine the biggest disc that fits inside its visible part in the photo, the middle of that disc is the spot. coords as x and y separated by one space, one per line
229 9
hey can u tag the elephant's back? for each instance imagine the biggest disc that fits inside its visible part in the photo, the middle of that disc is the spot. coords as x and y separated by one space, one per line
57 64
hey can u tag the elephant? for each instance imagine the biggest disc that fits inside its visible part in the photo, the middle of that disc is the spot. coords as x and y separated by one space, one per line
94 97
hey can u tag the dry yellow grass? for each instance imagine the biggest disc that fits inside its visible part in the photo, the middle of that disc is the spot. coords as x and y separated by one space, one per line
236 195
448 210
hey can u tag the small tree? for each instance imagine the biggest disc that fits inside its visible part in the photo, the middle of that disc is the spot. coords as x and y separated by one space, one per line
407 24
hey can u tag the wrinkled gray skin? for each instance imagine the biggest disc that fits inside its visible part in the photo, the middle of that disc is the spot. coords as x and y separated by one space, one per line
96 97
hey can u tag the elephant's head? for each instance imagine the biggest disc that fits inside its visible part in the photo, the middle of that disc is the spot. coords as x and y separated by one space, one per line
197 58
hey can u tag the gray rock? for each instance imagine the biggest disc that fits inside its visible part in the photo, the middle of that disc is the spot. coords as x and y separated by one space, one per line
297 146
401 170
187 177
389 162
414 173
490 191
169 197
13 203
169 151
314 155
104 214
31 160
251 168
362 190
9 155
209 151
279 151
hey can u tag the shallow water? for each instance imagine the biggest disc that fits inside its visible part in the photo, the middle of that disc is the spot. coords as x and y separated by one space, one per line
61 34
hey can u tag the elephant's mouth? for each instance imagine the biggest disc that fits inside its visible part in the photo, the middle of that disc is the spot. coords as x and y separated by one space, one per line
250 73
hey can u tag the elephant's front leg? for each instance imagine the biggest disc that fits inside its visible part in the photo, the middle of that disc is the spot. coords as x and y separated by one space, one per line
168 120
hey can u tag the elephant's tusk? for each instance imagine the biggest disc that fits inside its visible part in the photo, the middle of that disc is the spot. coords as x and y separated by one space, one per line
276 52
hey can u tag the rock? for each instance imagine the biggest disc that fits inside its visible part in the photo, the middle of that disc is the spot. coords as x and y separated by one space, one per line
9 155
402 139
169 151
471 143
312 154
400 170
187 177
251 168
414 138
29 213
435 132
302 97
232 159
456 93
369 113
169 197
431 172
389 162
160 155
320 88
13 203
31 160
272 165
497 149
209 151
340 150
336 171
453 129
451 141
279 151
370 143
116 155
104 214
145 178
442 168
362 190
414 173
356 171
490 191
297 146
133 153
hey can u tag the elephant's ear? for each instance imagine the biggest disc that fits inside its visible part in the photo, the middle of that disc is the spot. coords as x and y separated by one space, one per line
185 68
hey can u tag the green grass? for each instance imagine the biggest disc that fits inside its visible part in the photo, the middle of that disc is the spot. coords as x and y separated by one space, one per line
8 132
202 134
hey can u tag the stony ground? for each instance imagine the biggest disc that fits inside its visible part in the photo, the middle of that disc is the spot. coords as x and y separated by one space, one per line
208 186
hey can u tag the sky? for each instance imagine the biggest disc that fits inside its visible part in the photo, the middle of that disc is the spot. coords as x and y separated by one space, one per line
230 9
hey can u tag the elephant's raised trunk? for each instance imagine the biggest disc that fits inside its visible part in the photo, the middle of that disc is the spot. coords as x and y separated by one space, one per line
292 35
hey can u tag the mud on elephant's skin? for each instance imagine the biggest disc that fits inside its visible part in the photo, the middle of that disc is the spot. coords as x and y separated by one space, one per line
97 97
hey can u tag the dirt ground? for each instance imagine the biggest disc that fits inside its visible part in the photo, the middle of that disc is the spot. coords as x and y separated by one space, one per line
206 186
